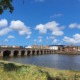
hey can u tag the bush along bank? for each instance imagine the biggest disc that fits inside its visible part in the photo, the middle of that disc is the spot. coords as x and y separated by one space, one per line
14 71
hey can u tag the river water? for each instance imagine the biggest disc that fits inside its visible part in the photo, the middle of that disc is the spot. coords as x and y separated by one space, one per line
66 62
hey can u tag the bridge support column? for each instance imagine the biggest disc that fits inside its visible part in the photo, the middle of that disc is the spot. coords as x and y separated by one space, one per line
39 52
35 52
19 54
49 52
52 52
1 53
25 54
11 54
31 53
43 52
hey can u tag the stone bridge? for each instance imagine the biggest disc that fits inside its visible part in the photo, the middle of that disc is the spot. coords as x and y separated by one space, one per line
23 51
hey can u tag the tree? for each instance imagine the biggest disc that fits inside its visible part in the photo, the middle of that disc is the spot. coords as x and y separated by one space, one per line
6 5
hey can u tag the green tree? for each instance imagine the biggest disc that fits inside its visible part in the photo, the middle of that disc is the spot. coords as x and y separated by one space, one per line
6 5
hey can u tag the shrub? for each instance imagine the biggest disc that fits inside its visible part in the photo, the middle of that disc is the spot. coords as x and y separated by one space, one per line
10 67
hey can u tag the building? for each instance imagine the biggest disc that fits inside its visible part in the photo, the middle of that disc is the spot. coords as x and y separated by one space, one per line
28 46
53 47
70 48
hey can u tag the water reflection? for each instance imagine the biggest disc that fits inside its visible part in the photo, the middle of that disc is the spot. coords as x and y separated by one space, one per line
70 62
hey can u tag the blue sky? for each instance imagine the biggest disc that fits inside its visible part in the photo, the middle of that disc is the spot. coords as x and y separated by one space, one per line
42 22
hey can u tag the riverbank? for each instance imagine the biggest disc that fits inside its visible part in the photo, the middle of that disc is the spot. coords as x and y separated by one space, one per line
15 71
68 52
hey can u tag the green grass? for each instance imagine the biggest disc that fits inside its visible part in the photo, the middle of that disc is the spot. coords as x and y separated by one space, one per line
14 71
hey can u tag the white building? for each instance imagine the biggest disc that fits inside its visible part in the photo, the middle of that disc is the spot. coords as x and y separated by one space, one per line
28 47
53 47
4 46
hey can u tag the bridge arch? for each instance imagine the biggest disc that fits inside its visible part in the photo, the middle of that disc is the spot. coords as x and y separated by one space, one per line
41 52
16 53
45 52
33 52
37 52
50 52
22 53
28 52
6 53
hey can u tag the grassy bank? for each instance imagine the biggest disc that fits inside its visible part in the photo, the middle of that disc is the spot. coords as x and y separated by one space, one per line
13 71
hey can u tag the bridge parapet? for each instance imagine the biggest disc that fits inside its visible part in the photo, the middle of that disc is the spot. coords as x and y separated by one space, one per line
23 51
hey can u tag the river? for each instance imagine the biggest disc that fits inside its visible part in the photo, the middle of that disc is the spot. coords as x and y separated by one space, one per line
66 62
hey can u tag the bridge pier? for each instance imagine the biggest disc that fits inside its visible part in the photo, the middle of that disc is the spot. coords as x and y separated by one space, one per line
53 52
39 52
46 52
31 53
49 52
1 53
11 54
25 54
43 52
19 54
35 52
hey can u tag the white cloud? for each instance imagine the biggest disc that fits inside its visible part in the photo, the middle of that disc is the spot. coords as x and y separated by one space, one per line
68 39
55 41
47 38
17 25
56 15
4 31
21 27
74 25
35 40
5 40
41 28
3 23
28 37
59 43
57 33
50 37
11 36
51 26
74 40
39 39
26 31
76 36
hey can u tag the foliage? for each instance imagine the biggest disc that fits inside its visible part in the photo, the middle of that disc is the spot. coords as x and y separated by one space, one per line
10 67
6 4
13 71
